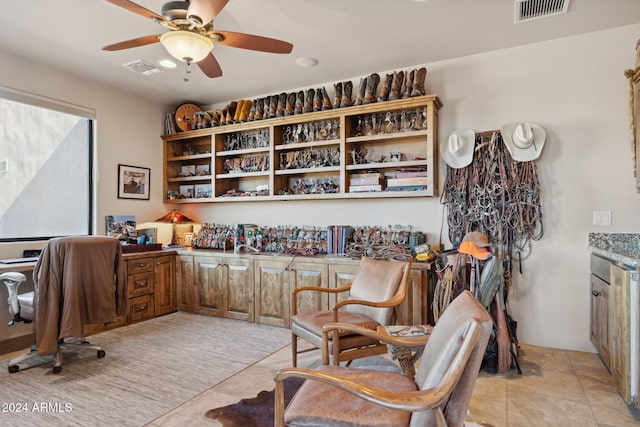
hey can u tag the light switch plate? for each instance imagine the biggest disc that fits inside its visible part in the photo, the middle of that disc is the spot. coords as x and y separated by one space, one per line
601 217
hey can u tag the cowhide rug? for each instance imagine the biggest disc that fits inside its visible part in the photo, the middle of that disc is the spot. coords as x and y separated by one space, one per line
256 411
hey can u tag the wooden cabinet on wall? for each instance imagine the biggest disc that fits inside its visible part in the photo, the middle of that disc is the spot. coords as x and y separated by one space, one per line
321 150
259 286
224 287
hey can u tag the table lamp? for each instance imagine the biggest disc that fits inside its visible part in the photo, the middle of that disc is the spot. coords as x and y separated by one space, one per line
174 217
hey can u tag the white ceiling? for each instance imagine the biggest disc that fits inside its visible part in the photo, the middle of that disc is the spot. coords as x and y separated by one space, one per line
350 38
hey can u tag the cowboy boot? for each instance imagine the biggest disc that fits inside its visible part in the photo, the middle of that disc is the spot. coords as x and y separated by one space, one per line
337 97
408 83
386 88
231 111
362 88
372 88
259 110
419 80
347 88
252 111
317 100
282 101
291 102
273 106
244 111
236 116
308 101
265 110
326 102
299 103
396 85
215 118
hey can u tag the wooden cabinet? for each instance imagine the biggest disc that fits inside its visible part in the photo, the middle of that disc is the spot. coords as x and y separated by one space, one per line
185 283
224 287
600 318
164 273
619 328
306 156
151 285
272 291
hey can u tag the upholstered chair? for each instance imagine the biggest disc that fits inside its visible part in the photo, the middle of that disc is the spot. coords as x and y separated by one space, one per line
374 294
439 396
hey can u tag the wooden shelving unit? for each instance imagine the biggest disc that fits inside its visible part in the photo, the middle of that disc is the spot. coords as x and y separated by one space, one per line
315 154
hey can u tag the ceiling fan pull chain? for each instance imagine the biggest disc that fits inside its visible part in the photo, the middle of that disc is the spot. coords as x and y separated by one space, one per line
187 71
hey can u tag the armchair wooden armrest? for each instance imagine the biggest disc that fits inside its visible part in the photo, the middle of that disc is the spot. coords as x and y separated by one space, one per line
296 291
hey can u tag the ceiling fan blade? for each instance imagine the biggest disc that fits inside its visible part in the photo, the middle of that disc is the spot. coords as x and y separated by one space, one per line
209 65
204 11
251 42
140 41
135 8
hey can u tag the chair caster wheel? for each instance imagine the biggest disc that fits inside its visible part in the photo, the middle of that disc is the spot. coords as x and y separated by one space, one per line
13 369
101 354
57 369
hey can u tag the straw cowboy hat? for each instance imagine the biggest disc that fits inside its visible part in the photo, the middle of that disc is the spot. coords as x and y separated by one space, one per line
523 140
457 151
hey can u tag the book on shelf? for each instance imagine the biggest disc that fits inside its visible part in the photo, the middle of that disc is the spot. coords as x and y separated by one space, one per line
411 172
364 188
365 181
408 188
338 237
363 175
400 182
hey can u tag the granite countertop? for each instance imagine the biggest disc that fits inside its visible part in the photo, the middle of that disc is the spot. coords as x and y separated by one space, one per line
620 247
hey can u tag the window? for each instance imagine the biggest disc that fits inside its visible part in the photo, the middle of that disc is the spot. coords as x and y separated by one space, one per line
45 168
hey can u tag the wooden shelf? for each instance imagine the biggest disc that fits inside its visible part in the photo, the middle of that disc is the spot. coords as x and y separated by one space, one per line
421 143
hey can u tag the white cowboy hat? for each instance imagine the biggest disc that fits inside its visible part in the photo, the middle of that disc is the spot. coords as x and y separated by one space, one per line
457 150
523 140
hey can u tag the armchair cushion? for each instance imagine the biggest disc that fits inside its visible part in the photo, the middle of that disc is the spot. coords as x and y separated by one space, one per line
339 409
314 321
373 271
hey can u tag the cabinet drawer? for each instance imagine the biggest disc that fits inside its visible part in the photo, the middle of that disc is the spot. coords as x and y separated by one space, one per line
139 265
141 308
140 284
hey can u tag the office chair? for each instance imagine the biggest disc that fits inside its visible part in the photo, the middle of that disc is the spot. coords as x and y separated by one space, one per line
77 281
439 395
375 293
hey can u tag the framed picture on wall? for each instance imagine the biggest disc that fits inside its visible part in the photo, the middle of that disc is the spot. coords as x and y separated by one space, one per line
133 182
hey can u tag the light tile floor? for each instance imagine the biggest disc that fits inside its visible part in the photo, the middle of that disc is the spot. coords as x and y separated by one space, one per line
557 388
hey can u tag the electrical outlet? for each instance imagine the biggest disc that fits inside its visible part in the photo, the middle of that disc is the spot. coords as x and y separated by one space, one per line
601 217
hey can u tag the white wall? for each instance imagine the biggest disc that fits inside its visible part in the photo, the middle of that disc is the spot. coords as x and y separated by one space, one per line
573 87
576 90
127 132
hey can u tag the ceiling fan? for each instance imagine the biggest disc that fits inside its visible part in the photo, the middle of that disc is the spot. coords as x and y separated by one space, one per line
192 37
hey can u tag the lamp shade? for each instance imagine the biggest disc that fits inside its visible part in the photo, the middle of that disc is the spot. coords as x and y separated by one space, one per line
186 46
174 217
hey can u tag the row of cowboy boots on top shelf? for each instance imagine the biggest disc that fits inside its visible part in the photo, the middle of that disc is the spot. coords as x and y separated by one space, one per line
397 85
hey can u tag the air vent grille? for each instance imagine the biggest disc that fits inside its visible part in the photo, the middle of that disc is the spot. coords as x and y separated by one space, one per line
528 10
143 67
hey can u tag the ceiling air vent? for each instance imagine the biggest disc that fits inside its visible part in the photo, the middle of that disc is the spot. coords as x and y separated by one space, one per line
143 67
528 10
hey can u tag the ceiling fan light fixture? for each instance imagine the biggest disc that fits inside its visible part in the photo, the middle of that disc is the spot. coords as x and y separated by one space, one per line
186 46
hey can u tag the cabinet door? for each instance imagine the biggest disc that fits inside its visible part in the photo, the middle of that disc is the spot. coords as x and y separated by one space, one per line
239 289
164 273
413 310
272 292
619 345
185 283
210 279
310 274
600 318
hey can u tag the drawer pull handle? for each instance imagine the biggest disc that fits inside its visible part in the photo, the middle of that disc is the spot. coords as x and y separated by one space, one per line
142 265
140 308
139 285
596 293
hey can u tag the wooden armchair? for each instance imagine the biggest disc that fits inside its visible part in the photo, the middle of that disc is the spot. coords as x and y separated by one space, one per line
375 293
439 396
